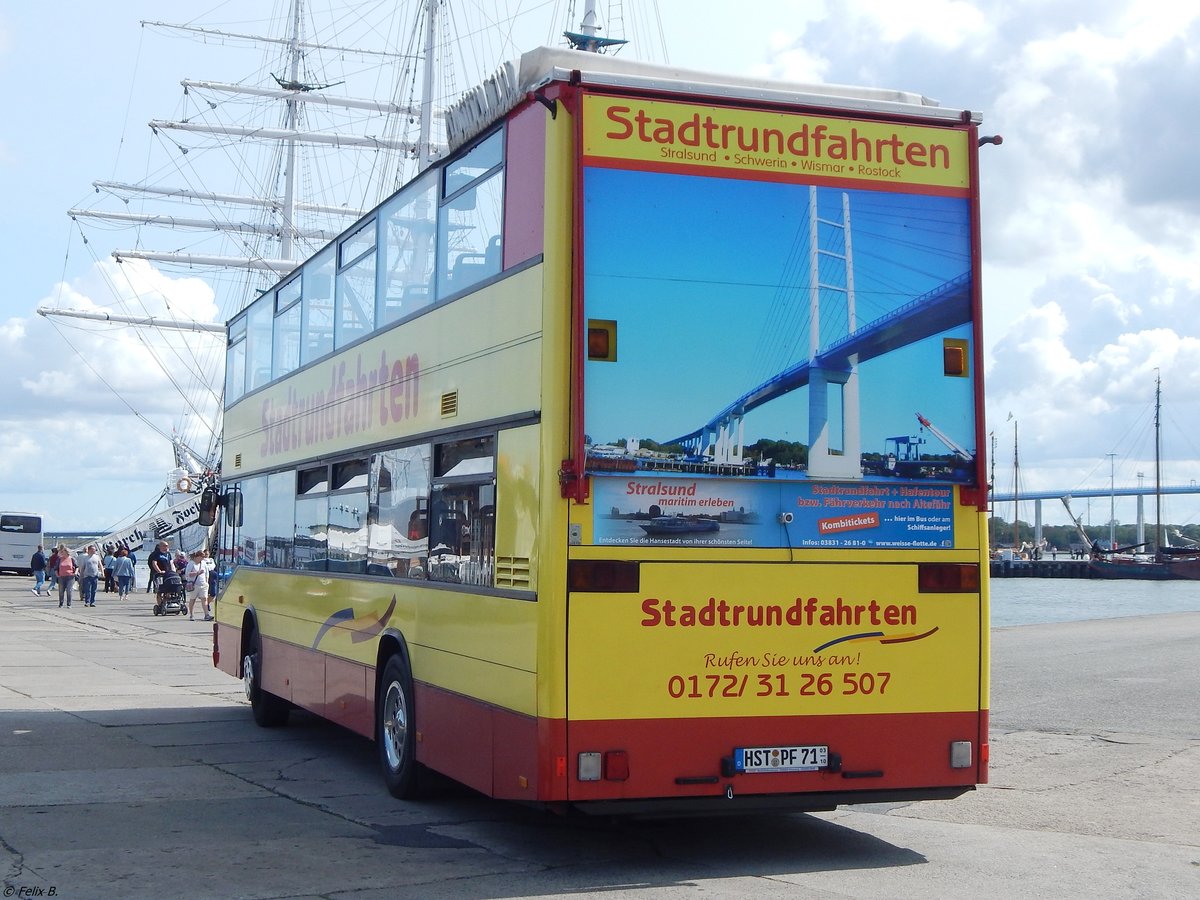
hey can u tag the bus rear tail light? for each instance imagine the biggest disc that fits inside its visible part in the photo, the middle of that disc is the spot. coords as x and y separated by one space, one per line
603 576
948 578
616 765
611 765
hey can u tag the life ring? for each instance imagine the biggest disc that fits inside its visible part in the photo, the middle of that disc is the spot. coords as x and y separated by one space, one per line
184 485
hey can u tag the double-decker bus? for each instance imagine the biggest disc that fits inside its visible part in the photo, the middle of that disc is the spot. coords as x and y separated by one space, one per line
569 471
20 536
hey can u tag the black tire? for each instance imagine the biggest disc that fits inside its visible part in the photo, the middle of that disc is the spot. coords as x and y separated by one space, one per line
269 711
158 610
395 731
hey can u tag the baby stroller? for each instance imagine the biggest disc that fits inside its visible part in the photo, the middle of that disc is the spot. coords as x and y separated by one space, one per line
171 597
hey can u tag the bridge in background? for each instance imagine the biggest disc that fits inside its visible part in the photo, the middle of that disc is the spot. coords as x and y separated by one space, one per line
1141 492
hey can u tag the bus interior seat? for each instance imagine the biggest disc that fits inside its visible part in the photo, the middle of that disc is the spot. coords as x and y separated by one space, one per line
470 267
492 256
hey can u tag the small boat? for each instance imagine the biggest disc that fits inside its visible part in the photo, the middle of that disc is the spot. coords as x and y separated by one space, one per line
1160 567
661 526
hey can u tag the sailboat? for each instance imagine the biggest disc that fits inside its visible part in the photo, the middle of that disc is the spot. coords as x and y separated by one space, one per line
1165 563
321 131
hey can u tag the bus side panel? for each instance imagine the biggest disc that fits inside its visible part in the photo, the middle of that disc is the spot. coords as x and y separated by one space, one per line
308 679
350 695
227 648
515 771
490 749
453 735
279 661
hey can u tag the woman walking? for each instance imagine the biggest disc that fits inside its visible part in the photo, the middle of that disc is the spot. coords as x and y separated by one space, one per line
110 579
123 571
65 571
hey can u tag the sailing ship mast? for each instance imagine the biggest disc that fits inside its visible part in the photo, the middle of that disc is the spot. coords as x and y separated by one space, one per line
295 94
299 92
148 321
276 229
1158 526
1016 494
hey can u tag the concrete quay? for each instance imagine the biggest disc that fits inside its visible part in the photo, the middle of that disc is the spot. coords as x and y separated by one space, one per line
130 768
1040 568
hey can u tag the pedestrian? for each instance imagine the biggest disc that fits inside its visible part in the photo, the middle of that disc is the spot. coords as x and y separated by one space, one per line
180 562
159 562
64 571
213 584
90 569
110 580
37 565
123 572
195 577
52 571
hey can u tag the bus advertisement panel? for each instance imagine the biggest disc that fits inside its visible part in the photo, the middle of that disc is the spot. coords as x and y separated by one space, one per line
784 310
782 331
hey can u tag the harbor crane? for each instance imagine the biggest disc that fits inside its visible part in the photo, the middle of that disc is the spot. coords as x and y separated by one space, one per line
944 438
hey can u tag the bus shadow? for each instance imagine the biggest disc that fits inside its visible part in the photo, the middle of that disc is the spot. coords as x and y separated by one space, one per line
322 765
171 766
590 855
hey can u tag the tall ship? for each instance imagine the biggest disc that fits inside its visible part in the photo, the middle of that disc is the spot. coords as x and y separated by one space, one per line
328 110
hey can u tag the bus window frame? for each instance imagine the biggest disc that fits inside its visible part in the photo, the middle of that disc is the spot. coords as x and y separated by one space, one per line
288 306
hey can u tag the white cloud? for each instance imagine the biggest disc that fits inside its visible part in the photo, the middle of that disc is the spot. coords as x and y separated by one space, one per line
85 429
945 23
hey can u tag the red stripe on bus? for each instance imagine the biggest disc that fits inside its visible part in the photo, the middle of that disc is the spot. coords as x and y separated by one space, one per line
877 752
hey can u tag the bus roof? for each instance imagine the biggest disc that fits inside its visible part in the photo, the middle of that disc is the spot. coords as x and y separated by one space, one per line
486 103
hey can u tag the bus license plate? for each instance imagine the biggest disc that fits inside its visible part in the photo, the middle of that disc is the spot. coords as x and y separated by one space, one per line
809 758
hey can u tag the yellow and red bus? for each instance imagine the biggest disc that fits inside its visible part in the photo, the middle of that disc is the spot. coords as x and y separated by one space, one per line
628 458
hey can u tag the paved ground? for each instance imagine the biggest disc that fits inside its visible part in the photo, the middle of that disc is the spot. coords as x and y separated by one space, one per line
130 768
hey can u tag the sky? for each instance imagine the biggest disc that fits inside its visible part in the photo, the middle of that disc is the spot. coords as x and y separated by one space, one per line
1090 222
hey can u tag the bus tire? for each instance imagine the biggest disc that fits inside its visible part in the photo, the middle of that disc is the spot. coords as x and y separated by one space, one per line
395 733
269 711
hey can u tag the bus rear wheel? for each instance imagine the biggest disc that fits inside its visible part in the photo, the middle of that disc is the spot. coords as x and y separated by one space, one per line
269 711
394 730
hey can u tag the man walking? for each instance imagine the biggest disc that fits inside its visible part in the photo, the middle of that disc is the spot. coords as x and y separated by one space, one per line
37 564
89 575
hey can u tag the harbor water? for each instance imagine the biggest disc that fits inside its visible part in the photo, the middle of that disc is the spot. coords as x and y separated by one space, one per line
1034 601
